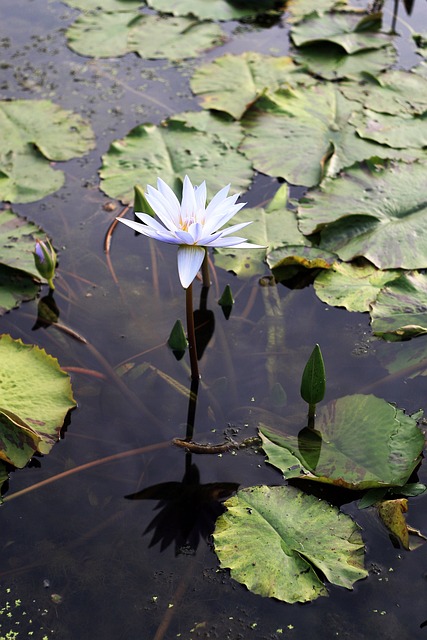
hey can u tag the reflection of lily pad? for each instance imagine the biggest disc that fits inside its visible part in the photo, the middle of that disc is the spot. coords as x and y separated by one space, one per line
313 130
212 9
381 215
108 35
331 62
348 30
400 310
35 396
354 287
34 132
176 148
364 442
232 83
276 541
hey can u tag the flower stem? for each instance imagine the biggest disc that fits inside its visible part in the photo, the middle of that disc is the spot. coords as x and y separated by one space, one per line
205 271
191 334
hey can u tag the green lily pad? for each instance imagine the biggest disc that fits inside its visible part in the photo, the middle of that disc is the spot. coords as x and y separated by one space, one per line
35 396
17 242
361 442
15 287
354 287
315 137
269 229
181 145
232 83
378 214
398 131
394 92
33 132
331 62
299 9
276 540
213 9
400 310
348 30
108 35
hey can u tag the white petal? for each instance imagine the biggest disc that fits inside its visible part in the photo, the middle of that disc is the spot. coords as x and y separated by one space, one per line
184 237
190 260
164 236
163 208
196 230
188 202
234 228
170 196
217 221
150 221
226 242
200 195
217 199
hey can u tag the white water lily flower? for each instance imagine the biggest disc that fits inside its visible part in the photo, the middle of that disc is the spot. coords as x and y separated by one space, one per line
191 224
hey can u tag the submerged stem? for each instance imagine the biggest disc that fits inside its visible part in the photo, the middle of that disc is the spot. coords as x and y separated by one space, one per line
191 334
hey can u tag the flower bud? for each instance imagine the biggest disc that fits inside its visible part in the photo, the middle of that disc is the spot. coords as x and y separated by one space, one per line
45 260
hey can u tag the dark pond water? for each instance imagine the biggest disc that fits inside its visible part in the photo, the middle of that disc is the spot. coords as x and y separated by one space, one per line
79 560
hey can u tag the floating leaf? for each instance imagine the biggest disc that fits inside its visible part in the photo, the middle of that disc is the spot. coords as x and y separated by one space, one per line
400 310
299 9
213 9
399 131
331 62
364 443
181 145
15 287
379 214
352 286
108 35
232 83
392 513
394 92
17 241
32 129
315 137
348 30
35 396
276 540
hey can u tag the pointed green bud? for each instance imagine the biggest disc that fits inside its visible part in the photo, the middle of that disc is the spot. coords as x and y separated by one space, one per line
177 339
45 260
140 202
226 300
313 383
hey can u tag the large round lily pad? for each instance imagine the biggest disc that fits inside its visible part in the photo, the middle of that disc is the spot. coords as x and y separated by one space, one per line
34 132
35 396
276 540
378 214
107 35
183 145
359 442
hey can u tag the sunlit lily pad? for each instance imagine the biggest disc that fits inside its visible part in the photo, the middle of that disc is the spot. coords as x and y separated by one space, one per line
400 310
331 62
352 286
276 541
396 131
108 35
394 92
301 135
381 215
359 442
34 132
181 145
299 9
348 30
35 396
213 9
232 83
